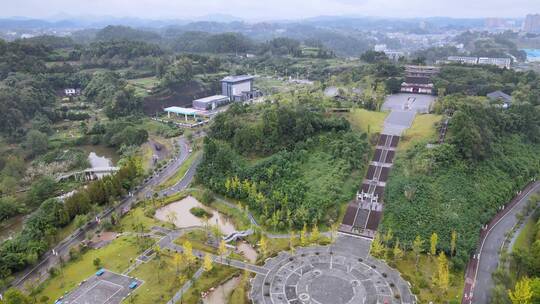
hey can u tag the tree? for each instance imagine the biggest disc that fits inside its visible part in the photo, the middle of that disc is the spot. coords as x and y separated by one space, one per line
124 103
36 143
292 241
222 249
97 263
397 252
388 236
263 245
178 261
208 263
377 247
15 296
453 242
303 236
443 272
433 244
522 293
315 235
188 253
417 248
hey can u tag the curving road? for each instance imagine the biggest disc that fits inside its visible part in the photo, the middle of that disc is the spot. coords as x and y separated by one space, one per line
478 281
40 271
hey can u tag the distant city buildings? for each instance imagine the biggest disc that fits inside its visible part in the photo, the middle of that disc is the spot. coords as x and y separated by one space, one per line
532 23
392 55
418 79
500 62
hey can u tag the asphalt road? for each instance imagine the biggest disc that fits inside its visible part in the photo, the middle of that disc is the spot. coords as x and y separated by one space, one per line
48 260
486 259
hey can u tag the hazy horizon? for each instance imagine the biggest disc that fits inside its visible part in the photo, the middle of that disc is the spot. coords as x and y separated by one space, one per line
277 10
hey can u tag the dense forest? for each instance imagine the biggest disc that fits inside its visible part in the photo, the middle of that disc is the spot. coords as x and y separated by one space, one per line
489 155
290 163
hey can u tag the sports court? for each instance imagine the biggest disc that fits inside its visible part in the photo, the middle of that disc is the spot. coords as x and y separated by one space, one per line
108 288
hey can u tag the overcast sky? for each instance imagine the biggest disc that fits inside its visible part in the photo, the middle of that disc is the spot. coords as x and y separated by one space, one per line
268 9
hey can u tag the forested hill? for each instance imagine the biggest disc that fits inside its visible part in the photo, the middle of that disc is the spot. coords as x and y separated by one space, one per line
291 164
489 155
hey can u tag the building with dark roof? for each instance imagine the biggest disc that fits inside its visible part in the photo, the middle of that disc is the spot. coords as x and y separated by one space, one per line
418 79
500 96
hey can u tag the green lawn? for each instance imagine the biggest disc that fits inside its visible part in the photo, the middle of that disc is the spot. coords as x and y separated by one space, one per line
160 283
197 238
422 129
115 257
422 281
180 172
367 121
135 217
142 85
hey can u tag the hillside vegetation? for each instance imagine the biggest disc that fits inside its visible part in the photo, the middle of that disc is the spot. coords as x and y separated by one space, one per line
289 163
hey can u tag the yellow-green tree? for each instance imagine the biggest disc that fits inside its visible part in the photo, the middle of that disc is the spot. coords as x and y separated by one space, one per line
178 261
315 235
388 236
188 254
377 247
417 248
222 249
208 264
453 242
397 251
303 236
292 241
433 243
522 293
263 245
443 272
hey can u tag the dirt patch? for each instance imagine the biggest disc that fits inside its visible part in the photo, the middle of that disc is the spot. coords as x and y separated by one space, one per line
102 239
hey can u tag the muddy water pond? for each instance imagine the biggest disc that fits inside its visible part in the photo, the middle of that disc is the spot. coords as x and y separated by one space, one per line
221 293
183 217
100 156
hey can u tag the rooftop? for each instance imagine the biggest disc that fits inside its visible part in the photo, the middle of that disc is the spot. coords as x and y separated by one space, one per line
183 111
211 98
499 95
238 78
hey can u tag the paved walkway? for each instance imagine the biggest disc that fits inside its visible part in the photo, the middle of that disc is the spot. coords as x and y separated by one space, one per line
342 273
39 272
478 280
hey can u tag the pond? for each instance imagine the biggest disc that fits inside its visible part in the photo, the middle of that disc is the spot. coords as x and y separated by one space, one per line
100 156
179 213
221 293
10 227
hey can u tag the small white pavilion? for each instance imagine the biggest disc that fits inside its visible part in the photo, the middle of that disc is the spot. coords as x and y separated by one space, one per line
181 111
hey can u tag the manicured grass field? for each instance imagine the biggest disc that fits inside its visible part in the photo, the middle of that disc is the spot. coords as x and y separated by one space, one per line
115 257
422 281
367 121
160 283
422 129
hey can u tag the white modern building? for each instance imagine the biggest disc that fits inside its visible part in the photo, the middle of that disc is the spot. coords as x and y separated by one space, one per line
500 62
463 59
239 88
181 111
210 102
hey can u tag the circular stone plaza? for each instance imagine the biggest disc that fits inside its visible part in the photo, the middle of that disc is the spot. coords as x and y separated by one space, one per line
342 273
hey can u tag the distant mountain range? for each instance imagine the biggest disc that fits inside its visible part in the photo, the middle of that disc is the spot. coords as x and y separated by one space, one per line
64 21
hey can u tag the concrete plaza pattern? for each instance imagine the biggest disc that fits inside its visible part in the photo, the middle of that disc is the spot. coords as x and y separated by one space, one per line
342 273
